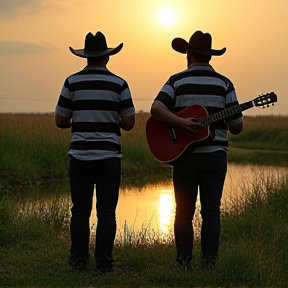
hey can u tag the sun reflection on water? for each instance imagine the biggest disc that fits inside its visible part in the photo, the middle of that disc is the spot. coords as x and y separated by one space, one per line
152 208
166 210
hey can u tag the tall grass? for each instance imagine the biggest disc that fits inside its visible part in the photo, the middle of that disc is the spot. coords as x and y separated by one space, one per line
264 141
255 233
257 156
253 249
34 234
34 151
263 132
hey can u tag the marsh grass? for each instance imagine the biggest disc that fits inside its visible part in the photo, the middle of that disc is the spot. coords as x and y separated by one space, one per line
263 132
34 151
253 249
255 231
258 157
34 232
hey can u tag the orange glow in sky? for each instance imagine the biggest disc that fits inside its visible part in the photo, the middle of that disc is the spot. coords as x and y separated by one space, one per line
36 35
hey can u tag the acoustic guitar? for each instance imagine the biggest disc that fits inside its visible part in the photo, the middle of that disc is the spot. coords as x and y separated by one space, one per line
171 146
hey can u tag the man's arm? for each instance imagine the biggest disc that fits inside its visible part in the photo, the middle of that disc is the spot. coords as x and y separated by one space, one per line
63 122
161 113
127 123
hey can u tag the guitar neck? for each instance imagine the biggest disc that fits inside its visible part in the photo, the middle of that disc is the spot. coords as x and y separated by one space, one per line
225 113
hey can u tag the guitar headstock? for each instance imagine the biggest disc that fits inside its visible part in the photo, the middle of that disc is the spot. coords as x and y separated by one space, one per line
265 100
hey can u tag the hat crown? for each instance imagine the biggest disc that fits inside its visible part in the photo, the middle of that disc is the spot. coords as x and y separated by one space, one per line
95 43
95 47
200 40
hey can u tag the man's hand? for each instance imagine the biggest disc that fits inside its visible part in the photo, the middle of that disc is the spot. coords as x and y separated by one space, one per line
160 112
62 122
190 126
127 123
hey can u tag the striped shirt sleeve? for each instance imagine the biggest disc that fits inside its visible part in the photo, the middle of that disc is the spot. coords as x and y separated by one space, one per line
167 95
64 105
231 100
126 103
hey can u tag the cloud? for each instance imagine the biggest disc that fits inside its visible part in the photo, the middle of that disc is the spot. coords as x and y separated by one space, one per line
17 47
12 4
13 9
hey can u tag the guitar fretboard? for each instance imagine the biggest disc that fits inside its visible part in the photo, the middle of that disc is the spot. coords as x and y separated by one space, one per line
225 113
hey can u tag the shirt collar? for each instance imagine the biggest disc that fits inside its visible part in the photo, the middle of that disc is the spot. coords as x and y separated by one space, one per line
96 68
206 67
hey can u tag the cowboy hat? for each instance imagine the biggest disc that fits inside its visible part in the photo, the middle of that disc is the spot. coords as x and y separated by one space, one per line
95 47
199 42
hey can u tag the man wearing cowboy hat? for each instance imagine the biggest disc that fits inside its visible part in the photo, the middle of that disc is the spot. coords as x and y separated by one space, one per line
206 166
95 103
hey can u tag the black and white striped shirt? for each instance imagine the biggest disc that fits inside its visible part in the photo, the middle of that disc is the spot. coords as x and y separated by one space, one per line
95 98
201 84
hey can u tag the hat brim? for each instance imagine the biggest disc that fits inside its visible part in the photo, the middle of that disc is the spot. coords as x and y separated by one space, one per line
180 45
96 54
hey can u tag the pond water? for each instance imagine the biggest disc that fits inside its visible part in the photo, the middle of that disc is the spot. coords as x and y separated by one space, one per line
153 207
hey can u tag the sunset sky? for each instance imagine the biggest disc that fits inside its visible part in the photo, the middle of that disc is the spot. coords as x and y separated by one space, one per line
36 35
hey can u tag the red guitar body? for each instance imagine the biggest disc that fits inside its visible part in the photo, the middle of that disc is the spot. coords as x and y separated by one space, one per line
161 143
170 145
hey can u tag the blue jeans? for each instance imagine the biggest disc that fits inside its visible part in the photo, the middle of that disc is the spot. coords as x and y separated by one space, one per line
83 175
206 171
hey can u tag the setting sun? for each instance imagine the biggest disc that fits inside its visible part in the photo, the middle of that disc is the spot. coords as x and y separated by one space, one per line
166 17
